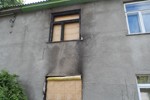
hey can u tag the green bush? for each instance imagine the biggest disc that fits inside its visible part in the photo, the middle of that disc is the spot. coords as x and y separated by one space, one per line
10 88
6 3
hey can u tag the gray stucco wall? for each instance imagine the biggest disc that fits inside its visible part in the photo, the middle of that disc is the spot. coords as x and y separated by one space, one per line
107 58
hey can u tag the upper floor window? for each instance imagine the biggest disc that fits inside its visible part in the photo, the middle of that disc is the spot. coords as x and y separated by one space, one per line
138 17
144 87
65 26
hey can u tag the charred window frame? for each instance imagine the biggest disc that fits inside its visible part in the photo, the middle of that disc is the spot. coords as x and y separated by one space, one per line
63 23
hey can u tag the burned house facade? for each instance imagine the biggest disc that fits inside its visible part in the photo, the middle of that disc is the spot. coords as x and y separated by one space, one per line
78 49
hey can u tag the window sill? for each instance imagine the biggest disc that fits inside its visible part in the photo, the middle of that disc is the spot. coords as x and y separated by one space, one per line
138 34
65 41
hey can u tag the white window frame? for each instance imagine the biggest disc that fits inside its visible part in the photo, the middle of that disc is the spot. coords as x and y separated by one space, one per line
141 86
139 12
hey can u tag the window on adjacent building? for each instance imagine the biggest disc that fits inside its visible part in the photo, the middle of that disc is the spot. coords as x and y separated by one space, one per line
144 87
138 17
64 88
65 26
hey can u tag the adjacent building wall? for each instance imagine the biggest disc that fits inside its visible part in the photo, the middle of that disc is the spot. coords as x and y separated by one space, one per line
107 58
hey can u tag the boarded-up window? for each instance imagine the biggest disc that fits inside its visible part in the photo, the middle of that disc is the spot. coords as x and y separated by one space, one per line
71 31
66 17
64 88
65 26
56 32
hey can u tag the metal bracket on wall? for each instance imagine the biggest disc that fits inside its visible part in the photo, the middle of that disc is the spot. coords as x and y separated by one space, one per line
12 20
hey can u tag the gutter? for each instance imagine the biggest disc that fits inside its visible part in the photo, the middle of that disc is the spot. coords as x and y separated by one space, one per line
52 4
41 5
11 11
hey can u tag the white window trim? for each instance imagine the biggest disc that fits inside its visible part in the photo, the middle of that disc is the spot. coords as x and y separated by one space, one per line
142 86
137 2
139 93
141 22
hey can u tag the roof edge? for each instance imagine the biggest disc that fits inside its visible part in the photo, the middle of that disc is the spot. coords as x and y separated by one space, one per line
41 6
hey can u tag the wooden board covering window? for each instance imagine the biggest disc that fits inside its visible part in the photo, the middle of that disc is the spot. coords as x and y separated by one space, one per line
67 17
63 88
71 31
56 33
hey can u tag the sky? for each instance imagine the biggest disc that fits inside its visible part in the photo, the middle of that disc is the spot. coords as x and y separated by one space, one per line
31 1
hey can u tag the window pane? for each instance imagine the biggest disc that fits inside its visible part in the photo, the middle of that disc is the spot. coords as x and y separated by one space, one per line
145 94
146 18
71 31
56 33
133 21
138 6
143 79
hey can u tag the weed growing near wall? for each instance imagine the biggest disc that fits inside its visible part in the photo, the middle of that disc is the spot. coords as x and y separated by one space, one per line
10 88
